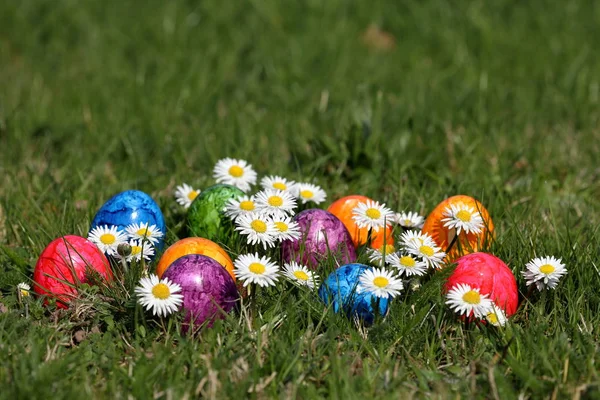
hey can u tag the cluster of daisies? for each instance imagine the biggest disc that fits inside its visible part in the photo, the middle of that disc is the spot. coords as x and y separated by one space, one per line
134 243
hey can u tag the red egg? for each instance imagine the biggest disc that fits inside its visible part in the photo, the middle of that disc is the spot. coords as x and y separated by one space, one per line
65 263
491 276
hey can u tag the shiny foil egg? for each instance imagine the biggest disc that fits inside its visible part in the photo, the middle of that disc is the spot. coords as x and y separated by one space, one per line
340 291
208 290
64 264
322 235
131 207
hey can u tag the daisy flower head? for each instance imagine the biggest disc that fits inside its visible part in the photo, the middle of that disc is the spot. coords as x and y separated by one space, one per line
431 254
286 228
462 217
275 202
408 264
380 283
545 272
139 249
107 238
376 256
252 268
409 220
415 238
240 206
496 316
185 194
306 192
300 274
466 300
144 231
235 172
276 182
159 295
258 228
372 215
23 289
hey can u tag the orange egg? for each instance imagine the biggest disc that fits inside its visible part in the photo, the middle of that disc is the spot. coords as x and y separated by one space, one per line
465 243
342 209
194 245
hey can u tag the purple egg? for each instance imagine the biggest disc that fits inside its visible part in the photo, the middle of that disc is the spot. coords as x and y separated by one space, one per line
208 290
322 235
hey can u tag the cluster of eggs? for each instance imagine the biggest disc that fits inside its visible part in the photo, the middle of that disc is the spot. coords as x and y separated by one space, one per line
204 269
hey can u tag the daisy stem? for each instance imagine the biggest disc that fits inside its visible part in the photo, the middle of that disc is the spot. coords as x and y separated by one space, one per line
124 264
452 243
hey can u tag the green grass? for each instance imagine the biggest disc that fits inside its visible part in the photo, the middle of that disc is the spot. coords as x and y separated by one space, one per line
497 100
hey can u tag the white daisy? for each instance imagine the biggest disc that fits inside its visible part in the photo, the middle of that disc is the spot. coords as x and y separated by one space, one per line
376 256
251 268
412 238
496 316
275 202
306 192
462 217
408 264
287 229
144 231
372 215
380 283
277 183
465 300
185 194
240 206
159 295
235 172
139 249
107 238
259 229
23 289
431 254
545 272
409 220
300 274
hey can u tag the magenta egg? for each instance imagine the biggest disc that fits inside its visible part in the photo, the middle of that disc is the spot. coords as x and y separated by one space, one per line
208 290
322 235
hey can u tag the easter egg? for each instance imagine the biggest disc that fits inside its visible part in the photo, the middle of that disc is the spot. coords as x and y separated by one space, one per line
131 207
208 290
342 208
206 217
466 242
65 263
321 235
491 276
339 290
194 245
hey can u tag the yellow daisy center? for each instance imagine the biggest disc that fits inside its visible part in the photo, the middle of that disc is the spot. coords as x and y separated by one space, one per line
281 226
257 268
428 251
143 232
24 292
247 205
303 276
280 185
236 171
547 269
108 238
381 282
472 297
136 250
464 215
407 222
275 201
407 261
387 249
161 291
373 213
192 195
492 318
306 194
259 226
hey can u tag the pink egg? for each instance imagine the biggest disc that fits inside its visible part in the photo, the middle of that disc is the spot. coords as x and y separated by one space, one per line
65 263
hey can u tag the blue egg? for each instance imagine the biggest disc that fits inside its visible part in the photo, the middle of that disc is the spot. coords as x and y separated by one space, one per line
339 289
131 207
